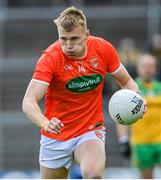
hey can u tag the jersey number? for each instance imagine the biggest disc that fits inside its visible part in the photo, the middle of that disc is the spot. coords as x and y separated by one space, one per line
81 68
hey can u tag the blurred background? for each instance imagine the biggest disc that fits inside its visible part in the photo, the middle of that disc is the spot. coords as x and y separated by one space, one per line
26 29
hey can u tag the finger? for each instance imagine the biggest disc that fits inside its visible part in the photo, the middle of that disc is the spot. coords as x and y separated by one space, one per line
61 124
47 129
54 128
52 131
54 124
145 106
57 121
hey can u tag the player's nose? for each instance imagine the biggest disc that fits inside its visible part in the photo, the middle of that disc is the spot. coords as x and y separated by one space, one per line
69 44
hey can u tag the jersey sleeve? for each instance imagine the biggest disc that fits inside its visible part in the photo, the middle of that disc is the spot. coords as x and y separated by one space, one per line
44 69
112 60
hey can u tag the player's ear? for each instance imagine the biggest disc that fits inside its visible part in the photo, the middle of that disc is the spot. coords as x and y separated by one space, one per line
87 32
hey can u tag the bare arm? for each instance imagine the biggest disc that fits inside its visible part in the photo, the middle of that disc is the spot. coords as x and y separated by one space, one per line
34 93
124 80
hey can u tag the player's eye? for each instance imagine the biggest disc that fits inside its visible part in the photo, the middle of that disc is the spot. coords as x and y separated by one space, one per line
75 38
63 39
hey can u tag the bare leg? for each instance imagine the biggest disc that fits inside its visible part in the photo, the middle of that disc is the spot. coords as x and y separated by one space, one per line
47 173
91 157
147 174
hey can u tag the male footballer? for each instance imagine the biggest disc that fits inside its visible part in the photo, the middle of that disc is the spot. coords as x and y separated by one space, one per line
70 73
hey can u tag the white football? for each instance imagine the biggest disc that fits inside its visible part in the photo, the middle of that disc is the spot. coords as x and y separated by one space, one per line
126 107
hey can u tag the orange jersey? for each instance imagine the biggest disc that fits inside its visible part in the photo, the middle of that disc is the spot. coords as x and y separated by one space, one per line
75 87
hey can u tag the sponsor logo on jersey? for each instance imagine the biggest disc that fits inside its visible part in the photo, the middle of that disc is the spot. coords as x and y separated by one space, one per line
68 67
94 63
84 83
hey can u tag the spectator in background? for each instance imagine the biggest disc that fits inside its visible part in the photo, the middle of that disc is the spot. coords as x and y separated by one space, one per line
155 49
129 54
146 133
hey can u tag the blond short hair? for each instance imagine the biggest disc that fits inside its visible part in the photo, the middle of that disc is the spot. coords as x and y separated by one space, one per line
71 18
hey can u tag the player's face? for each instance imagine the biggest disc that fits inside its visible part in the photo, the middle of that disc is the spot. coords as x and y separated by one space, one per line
73 43
147 68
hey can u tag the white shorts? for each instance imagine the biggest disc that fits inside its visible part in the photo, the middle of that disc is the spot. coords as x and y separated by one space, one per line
55 154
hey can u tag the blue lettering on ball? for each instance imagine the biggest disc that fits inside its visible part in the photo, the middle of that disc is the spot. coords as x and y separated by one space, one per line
137 107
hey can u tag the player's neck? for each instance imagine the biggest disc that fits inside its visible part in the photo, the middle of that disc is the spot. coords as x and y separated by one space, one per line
83 53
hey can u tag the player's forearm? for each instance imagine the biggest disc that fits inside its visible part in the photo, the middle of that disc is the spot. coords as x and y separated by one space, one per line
130 84
124 80
33 112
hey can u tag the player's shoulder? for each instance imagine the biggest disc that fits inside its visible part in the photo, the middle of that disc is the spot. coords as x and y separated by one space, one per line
54 49
99 41
53 46
51 55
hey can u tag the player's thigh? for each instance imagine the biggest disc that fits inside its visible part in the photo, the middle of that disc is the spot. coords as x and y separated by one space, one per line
91 155
142 156
48 173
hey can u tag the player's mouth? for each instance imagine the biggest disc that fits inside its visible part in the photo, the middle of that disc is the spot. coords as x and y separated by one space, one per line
70 53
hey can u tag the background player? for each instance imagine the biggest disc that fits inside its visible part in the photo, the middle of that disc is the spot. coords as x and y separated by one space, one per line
71 74
146 133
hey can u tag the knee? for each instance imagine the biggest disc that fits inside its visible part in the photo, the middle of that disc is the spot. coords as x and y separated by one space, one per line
93 173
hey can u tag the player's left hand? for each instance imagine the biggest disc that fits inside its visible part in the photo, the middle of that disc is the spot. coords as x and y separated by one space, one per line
145 107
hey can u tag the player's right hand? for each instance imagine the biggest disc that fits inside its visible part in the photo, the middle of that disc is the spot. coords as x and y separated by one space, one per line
54 126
